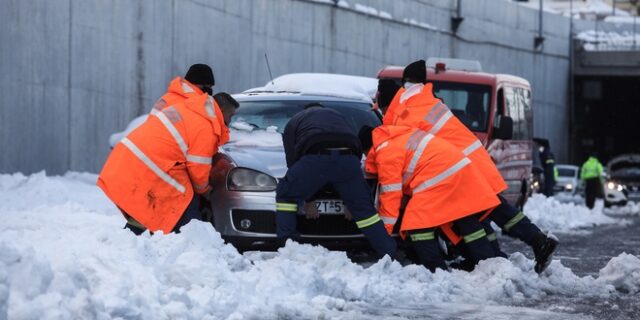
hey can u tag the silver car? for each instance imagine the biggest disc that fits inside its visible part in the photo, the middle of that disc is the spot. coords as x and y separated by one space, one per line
245 173
568 180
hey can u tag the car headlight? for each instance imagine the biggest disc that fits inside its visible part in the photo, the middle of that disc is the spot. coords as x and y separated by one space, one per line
243 179
569 187
614 186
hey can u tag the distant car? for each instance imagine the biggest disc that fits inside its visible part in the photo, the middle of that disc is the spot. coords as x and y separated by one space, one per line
622 180
568 180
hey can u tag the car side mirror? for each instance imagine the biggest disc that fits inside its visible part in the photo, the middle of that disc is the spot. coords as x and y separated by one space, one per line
504 128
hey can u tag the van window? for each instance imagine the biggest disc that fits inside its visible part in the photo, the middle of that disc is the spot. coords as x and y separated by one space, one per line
468 102
518 107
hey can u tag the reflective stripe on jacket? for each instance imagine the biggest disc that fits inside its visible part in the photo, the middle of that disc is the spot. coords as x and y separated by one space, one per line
442 185
592 168
154 171
430 114
178 91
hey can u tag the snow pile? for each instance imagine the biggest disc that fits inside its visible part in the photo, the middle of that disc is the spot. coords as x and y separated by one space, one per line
550 214
623 272
603 40
116 137
324 84
64 254
630 209
587 9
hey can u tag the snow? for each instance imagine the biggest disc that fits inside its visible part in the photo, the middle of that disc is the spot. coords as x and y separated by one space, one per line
372 11
623 273
420 24
604 40
242 134
64 255
324 84
587 9
630 209
553 215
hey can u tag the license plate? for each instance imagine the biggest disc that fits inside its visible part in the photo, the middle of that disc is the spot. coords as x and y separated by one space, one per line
330 206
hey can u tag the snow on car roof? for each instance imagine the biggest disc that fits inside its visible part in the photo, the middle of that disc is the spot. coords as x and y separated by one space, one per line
323 84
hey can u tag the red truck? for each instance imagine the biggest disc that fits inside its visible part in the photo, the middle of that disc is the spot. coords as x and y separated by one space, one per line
496 107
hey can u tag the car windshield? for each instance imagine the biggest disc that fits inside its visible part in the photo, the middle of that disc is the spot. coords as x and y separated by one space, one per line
274 115
566 172
469 102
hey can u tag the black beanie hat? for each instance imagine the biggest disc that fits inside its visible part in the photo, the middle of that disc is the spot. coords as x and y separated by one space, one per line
200 74
415 70
387 89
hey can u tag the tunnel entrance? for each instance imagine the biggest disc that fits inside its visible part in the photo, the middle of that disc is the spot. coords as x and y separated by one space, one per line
607 116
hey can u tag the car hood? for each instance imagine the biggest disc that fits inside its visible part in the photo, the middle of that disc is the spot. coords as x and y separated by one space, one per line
269 160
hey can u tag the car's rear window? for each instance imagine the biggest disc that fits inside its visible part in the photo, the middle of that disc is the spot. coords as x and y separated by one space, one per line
263 114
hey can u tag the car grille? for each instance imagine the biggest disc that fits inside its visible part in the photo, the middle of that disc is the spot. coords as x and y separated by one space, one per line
264 222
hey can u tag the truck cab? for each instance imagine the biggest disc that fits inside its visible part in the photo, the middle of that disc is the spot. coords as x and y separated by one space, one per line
495 107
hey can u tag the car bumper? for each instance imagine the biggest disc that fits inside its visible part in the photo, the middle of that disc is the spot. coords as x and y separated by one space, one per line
248 219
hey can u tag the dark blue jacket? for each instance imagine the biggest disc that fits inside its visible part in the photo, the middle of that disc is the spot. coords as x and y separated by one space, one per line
318 127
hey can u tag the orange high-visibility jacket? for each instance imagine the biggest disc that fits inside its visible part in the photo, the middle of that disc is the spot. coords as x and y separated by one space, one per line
153 172
429 113
178 91
442 185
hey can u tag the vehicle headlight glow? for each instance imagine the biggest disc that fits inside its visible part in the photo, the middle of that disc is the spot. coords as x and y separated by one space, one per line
614 186
243 179
569 186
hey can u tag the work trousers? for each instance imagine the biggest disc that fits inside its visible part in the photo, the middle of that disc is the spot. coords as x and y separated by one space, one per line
343 171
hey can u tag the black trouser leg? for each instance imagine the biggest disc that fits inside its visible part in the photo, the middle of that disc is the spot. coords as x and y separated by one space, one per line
514 223
427 249
474 237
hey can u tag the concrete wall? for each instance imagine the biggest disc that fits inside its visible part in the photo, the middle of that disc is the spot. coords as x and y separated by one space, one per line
74 71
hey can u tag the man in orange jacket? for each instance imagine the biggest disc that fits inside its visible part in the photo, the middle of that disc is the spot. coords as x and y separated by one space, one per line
416 106
155 172
198 80
442 185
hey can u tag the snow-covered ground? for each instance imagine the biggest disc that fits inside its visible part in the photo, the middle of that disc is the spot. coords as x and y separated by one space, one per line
64 255
556 216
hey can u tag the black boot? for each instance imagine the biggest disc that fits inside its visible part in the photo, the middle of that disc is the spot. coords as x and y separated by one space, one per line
543 249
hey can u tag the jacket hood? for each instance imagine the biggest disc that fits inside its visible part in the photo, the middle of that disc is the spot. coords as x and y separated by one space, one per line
204 105
183 87
386 132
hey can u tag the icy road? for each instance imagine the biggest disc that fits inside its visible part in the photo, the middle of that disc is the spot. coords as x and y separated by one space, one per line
64 255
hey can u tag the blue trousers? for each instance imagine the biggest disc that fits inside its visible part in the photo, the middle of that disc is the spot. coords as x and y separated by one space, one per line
310 173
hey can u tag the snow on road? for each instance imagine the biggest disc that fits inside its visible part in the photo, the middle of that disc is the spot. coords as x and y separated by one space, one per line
553 215
64 254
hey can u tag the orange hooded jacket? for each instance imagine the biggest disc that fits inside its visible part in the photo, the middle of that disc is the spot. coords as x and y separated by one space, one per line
178 91
442 185
154 171
423 110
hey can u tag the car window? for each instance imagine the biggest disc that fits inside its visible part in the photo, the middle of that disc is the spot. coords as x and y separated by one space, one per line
518 106
566 172
263 114
469 102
